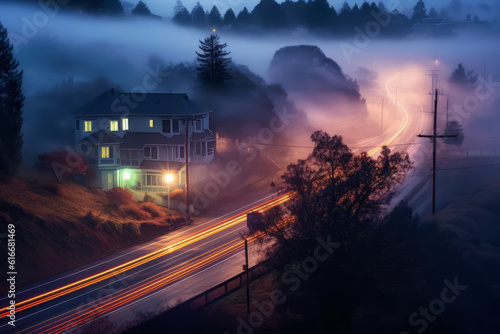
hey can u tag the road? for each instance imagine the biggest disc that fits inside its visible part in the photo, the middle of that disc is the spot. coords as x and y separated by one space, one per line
178 265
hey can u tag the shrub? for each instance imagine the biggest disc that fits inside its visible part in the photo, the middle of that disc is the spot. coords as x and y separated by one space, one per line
177 195
135 212
119 196
148 198
153 209
92 220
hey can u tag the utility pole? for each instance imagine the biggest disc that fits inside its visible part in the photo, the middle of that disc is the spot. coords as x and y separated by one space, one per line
434 137
246 268
188 213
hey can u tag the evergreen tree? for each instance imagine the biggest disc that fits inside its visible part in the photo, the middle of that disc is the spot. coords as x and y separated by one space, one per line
319 14
214 18
461 77
269 15
112 7
455 129
381 6
433 13
243 19
419 11
11 105
198 16
181 14
213 62
141 9
229 17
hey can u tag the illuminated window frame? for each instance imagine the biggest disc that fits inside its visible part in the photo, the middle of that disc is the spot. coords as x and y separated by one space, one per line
125 124
113 126
88 126
105 152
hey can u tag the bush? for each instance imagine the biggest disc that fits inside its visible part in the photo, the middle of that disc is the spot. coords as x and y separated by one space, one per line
92 220
177 195
153 209
148 198
119 196
134 211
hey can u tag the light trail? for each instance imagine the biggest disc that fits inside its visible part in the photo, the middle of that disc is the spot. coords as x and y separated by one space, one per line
93 279
404 122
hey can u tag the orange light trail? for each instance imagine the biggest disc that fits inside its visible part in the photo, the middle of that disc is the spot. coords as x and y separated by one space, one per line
93 279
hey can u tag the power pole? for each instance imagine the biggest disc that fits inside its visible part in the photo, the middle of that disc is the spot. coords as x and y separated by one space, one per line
246 268
188 213
434 137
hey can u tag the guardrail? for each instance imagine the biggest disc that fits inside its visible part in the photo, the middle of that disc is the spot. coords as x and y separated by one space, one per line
220 290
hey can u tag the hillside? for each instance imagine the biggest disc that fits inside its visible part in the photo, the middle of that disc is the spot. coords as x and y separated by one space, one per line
60 226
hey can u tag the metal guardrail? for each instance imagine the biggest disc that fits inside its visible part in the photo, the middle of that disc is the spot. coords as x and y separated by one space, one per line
220 290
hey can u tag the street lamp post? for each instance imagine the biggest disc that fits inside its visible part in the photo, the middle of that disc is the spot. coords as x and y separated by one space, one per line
169 178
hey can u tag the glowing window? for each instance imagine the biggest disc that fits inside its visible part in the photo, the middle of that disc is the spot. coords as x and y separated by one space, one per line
106 152
151 123
113 125
88 126
125 124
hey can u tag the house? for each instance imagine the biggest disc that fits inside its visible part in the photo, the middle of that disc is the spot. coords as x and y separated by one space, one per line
135 140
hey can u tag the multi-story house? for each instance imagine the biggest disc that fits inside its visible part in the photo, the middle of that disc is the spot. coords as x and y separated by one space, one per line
136 140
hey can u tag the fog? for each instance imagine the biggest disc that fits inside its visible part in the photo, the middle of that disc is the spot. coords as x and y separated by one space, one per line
82 55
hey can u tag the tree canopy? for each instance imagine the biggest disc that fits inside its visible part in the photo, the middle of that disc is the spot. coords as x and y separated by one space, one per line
213 62
141 9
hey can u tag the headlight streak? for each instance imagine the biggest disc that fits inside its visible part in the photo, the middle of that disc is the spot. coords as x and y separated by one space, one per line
206 232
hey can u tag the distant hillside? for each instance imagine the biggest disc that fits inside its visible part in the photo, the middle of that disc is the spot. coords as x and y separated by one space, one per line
59 226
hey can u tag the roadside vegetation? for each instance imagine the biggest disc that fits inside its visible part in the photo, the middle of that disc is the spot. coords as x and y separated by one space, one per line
60 226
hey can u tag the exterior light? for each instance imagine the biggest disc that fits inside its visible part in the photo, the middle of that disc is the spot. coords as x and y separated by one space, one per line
169 178
126 176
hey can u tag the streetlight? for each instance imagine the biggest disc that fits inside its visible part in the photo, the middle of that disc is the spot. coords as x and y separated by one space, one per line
169 178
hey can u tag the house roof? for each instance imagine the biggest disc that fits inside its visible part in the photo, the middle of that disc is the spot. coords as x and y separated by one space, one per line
102 137
116 103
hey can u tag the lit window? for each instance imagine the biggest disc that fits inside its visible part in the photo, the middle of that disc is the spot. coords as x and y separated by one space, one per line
88 126
151 123
106 152
125 124
113 125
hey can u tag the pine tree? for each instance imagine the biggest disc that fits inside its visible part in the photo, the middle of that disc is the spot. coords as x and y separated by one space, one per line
11 105
213 63
198 16
229 17
214 18
243 19
181 14
112 7
141 9
419 11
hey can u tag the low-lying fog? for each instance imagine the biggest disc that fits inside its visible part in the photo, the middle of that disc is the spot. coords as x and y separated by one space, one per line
81 49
